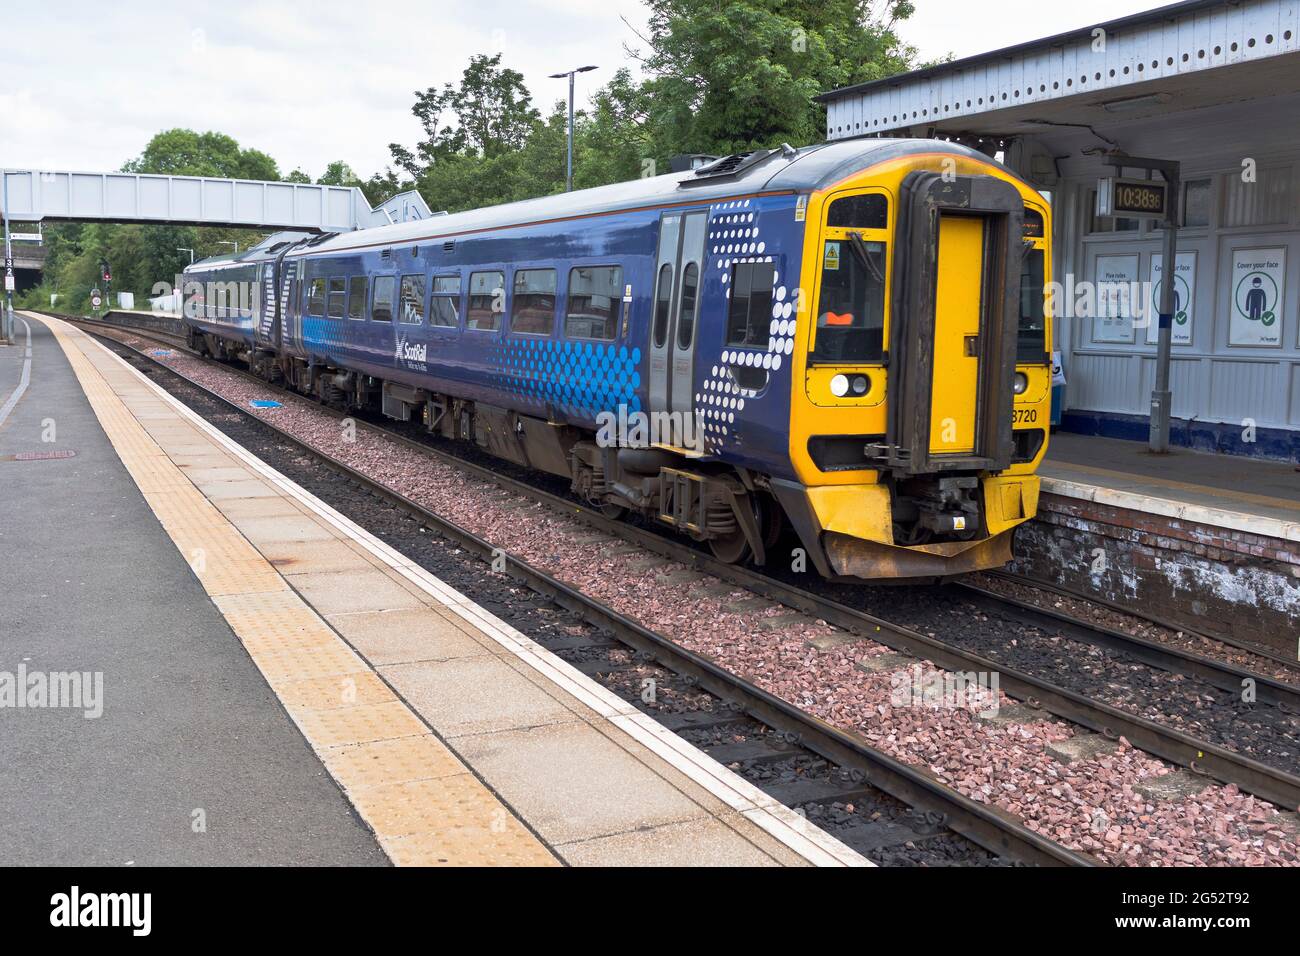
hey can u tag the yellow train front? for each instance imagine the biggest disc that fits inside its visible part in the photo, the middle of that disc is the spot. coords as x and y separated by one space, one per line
921 383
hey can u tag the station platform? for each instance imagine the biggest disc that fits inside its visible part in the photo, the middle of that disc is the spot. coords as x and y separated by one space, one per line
1203 541
281 687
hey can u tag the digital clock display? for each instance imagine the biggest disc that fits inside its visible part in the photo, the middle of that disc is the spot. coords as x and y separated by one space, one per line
1133 198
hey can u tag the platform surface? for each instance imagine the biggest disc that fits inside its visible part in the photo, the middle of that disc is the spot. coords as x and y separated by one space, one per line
1244 493
449 737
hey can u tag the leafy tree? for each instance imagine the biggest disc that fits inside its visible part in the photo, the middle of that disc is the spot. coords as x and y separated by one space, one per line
742 74
488 113
183 152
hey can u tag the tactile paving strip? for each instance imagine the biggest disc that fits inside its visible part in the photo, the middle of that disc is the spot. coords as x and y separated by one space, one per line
424 805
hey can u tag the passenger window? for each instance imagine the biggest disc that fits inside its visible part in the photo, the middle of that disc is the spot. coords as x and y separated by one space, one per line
532 308
412 310
663 302
357 287
316 297
385 292
595 302
686 314
444 307
337 294
487 294
749 312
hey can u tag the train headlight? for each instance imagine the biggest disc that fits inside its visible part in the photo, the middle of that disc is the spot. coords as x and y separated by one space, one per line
1021 383
840 386
859 385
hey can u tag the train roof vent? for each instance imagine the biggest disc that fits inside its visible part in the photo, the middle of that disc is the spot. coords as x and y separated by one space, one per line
732 165
385 253
449 245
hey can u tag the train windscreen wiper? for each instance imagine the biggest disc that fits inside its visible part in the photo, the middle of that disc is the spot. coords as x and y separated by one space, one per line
860 250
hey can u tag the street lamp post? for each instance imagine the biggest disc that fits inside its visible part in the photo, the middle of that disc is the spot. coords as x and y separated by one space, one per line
227 242
190 251
568 178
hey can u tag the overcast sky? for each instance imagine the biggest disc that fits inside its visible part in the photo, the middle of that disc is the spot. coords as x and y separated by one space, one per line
86 83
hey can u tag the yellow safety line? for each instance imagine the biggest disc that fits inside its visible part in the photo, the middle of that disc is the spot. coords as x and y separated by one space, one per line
424 805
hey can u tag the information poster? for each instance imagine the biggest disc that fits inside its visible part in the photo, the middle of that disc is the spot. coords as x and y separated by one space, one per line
1116 278
1184 298
1258 286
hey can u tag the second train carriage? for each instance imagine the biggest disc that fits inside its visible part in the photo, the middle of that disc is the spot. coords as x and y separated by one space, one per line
849 339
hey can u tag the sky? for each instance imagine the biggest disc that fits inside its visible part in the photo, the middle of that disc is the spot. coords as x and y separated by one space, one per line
88 82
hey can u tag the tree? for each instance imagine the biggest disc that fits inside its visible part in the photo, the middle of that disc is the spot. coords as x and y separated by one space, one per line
183 152
743 74
339 173
489 113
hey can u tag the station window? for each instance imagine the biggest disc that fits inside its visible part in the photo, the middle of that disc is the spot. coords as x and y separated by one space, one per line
851 303
749 313
412 305
532 307
1196 202
594 302
663 304
858 212
316 297
337 295
444 306
381 310
357 287
487 294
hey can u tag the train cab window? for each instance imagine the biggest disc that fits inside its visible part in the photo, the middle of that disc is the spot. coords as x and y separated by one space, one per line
487 294
663 303
316 298
851 304
858 212
412 302
532 307
357 288
594 302
1031 340
749 311
381 310
337 295
686 314
444 306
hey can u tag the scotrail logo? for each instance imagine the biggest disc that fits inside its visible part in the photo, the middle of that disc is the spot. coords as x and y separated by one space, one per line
412 353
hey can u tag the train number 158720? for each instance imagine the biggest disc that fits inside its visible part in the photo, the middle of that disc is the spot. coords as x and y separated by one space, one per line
1024 416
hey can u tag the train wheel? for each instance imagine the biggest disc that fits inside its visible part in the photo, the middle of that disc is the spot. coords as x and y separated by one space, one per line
732 548
612 511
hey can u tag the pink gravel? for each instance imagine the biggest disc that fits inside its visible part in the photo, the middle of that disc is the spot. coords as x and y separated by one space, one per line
1090 805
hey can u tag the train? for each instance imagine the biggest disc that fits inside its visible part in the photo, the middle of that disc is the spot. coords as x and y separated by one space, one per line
842 348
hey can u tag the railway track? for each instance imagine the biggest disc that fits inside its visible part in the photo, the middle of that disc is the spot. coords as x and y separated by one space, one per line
761 730
1272 783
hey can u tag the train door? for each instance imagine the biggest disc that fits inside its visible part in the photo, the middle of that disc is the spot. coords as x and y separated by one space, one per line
959 297
678 281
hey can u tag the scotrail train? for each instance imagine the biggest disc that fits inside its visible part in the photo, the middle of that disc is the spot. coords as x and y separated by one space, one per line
847 340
